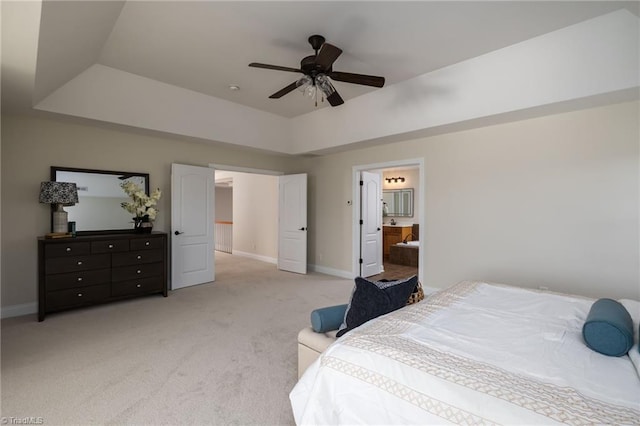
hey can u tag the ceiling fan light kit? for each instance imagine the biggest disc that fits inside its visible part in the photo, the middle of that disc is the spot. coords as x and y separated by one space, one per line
318 73
320 86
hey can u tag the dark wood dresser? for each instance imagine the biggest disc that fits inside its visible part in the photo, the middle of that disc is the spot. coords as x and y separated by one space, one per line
88 270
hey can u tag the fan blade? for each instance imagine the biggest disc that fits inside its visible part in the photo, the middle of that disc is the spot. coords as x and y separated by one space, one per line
274 67
282 92
335 99
327 55
366 80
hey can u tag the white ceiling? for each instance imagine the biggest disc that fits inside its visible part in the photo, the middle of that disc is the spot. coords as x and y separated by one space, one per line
205 46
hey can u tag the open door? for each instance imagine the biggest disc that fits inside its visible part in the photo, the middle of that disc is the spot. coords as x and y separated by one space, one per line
370 224
192 213
292 223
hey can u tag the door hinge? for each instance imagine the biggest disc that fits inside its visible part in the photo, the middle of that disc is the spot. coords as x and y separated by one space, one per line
361 183
360 261
361 222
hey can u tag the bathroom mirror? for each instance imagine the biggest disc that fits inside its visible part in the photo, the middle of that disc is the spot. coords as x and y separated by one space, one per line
399 202
99 196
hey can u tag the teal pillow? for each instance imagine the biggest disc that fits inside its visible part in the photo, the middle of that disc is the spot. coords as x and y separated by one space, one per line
327 319
608 328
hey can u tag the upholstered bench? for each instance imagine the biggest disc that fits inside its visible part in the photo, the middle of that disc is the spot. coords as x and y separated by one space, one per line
312 341
311 345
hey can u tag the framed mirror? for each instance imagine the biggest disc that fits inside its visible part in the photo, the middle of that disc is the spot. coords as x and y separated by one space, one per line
99 196
399 202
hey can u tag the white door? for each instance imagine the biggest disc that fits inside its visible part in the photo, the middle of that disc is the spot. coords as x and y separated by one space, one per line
192 218
292 223
370 224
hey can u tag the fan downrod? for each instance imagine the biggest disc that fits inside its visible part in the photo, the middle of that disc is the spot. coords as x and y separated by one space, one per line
316 41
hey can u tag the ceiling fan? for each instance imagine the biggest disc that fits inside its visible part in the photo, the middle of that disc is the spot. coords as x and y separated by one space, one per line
318 71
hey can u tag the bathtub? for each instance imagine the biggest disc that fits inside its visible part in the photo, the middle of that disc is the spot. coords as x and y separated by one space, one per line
405 253
410 243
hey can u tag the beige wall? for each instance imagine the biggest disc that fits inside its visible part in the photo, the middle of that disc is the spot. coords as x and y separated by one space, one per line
31 145
224 204
255 215
551 202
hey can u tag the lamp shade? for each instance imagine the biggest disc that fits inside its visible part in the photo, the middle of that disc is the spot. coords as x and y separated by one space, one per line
59 193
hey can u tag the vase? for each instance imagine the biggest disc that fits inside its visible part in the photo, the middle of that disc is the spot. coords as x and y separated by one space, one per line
142 225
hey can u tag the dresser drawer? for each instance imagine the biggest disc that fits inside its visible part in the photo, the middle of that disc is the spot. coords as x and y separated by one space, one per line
147 243
77 263
137 257
77 279
109 246
140 286
66 250
123 273
77 296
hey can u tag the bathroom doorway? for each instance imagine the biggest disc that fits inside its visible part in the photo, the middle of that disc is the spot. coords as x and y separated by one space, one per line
401 201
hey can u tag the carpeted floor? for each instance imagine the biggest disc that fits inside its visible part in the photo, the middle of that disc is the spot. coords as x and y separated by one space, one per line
219 353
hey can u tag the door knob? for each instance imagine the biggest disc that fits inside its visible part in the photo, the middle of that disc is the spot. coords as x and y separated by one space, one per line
303 229
178 233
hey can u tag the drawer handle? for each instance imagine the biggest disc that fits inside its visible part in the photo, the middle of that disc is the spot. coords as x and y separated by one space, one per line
138 257
110 246
79 294
79 279
146 243
138 271
79 262
139 285
68 248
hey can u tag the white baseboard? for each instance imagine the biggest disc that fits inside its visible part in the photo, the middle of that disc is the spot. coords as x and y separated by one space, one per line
256 256
18 310
330 271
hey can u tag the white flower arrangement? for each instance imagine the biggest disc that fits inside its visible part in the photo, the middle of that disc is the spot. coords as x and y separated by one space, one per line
141 204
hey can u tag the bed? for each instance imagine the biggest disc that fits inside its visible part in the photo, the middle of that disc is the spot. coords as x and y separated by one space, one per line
476 353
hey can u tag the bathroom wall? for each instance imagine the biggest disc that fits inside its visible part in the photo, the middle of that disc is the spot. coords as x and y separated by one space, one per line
411 180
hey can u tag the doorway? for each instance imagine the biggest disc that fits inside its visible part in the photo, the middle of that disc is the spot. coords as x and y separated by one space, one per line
402 216
224 214
187 194
246 219
267 216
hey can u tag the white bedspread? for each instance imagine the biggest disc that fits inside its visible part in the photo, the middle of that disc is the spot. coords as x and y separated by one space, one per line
476 353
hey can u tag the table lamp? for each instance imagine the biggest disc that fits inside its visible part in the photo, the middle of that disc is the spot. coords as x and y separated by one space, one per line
61 194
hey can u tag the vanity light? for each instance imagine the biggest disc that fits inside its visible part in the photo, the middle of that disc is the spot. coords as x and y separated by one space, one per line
395 179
